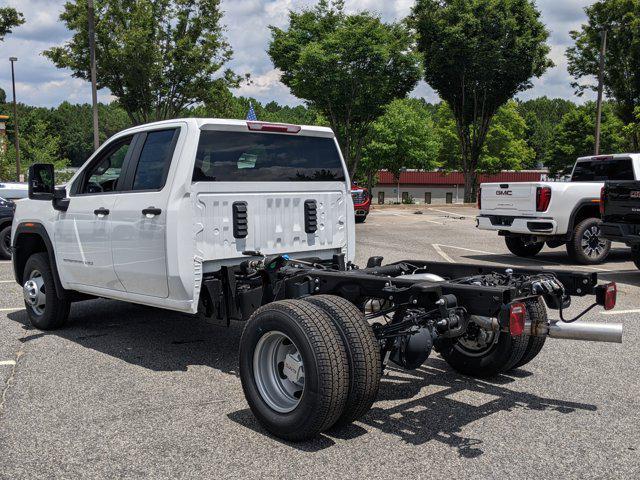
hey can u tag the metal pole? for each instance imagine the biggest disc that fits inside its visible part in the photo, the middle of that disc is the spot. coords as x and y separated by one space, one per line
16 139
92 59
603 47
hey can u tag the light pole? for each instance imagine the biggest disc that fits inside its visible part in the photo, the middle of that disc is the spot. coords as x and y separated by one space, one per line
603 48
92 60
16 140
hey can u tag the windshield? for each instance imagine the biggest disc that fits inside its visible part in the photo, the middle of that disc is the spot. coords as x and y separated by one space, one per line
600 170
264 157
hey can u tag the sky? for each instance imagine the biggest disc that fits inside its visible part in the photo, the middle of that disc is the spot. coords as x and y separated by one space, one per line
39 82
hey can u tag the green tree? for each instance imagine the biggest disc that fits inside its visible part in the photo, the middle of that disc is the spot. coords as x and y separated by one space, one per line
575 136
347 67
156 56
402 137
9 18
477 55
505 147
37 145
621 19
542 117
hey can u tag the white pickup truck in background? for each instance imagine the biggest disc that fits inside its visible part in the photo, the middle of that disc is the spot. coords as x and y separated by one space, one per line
530 214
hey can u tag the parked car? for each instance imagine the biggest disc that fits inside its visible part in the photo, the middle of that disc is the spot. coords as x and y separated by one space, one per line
361 202
251 221
532 214
13 190
7 208
620 210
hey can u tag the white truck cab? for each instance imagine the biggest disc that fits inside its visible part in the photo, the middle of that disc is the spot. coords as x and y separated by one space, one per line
530 214
158 206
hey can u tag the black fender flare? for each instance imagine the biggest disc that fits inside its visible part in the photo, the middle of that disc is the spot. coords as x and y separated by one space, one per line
34 228
582 203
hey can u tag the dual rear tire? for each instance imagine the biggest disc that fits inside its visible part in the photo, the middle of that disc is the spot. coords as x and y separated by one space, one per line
496 353
307 365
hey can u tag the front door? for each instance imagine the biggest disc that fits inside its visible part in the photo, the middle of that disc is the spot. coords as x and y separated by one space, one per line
139 217
83 232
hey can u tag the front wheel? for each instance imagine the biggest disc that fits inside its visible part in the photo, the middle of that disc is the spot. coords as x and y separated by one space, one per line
635 255
522 247
586 245
45 309
293 368
5 243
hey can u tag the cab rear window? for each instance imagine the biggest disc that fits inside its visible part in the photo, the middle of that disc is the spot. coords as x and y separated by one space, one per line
599 170
265 157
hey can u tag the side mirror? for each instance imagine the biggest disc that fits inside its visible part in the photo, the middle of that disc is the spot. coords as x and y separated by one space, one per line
41 181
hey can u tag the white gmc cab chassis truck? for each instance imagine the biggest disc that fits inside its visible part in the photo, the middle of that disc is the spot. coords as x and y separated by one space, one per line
530 214
249 221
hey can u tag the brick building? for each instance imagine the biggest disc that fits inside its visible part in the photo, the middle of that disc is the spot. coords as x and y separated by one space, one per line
439 187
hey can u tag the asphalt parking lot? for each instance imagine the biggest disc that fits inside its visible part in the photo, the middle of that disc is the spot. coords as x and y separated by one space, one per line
125 391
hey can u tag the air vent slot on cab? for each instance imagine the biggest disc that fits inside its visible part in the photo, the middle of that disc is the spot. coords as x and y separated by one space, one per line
240 220
310 216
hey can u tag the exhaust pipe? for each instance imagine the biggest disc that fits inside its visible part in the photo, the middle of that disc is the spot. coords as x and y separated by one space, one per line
593 332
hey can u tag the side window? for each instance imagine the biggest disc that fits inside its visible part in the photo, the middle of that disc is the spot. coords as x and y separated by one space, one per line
154 161
103 176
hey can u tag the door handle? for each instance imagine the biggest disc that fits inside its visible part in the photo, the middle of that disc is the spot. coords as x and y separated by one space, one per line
151 211
101 212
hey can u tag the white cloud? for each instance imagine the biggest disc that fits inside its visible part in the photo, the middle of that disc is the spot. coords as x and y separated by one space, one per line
41 83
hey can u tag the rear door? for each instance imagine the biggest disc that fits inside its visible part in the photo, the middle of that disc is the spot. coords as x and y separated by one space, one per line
508 198
270 192
139 216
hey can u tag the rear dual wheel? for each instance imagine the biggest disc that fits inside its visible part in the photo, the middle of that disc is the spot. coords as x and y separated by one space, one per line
480 353
306 365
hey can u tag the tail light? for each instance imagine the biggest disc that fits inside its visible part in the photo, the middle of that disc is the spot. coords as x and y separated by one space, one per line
603 196
543 198
606 295
479 198
517 316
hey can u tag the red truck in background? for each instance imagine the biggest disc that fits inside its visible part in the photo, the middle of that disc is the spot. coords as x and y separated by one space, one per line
361 202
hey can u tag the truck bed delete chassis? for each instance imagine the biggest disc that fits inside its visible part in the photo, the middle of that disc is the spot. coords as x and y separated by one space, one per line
409 294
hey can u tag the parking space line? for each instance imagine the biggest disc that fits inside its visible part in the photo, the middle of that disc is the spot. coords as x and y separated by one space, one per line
450 213
621 312
11 309
7 281
7 362
437 248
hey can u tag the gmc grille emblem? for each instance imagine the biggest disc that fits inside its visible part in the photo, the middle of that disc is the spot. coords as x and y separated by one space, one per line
504 192
635 194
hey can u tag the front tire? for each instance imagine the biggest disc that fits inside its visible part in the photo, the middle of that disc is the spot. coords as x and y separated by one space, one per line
45 309
635 255
293 368
363 354
522 248
586 246
361 219
5 243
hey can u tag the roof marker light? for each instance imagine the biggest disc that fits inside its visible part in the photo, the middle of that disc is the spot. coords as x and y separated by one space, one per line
273 127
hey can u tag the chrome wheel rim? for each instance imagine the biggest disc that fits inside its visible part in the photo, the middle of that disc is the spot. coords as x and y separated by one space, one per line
278 371
592 244
34 292
476 342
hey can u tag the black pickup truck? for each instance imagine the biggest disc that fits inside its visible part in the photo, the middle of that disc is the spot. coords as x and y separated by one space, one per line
620 213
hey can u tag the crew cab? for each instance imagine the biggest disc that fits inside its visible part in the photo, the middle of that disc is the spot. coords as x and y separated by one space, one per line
530 214
361 202
620 210
251 221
